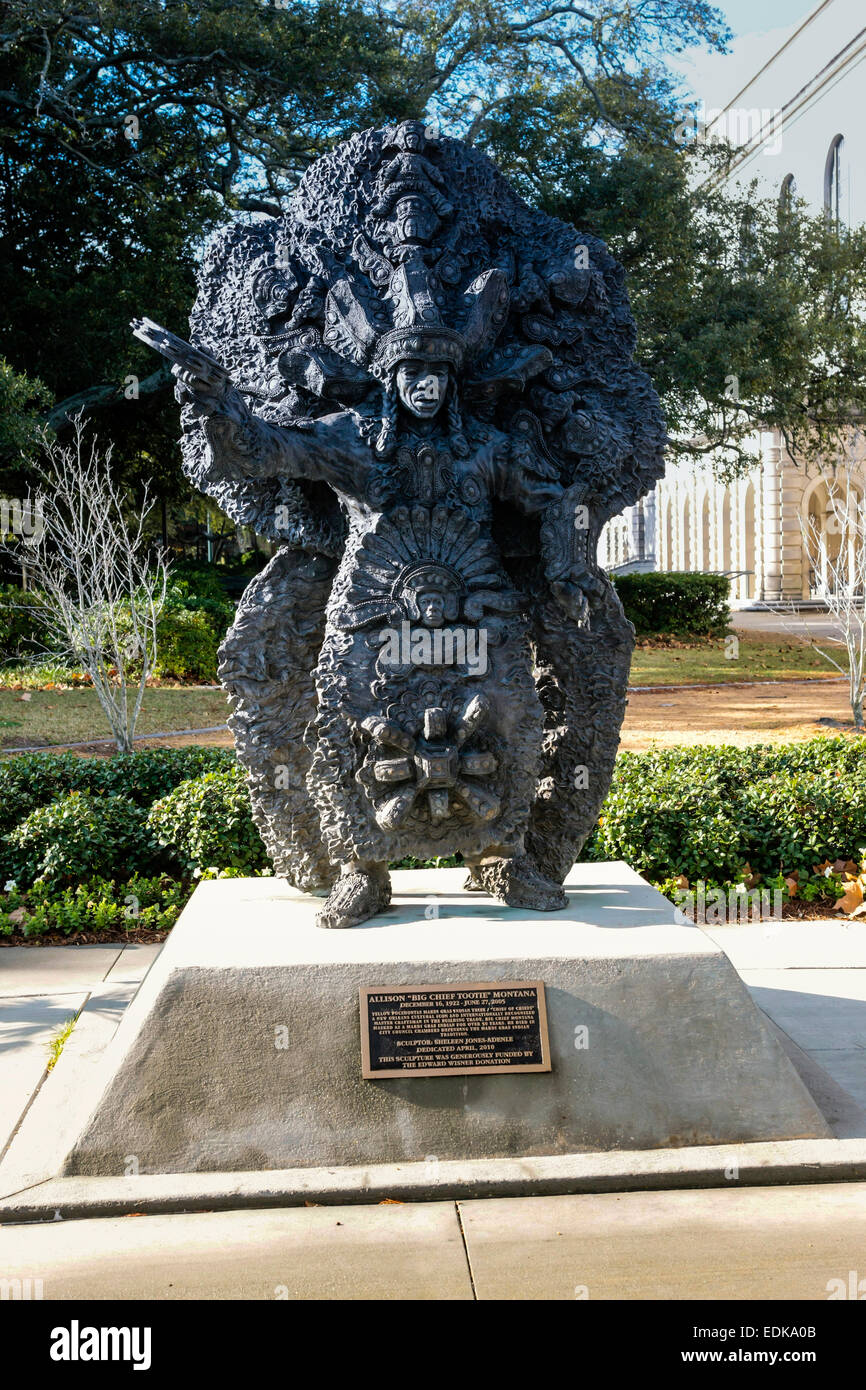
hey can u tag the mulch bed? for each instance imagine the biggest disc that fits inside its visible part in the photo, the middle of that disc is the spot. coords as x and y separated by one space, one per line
102 938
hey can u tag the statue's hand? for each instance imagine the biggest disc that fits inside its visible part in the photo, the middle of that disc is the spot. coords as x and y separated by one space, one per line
206 387
575 593
572 600
200 380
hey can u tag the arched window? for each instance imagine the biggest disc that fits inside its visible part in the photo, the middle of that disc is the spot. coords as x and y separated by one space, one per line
835 177
787 194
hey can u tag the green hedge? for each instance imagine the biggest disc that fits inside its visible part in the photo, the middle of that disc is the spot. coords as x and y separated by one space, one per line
197 613
186 646
208 823
76 837
705 812
201 589
141 814
31 780
678 604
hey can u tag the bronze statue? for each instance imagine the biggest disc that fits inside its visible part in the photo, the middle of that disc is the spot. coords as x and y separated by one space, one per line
424 390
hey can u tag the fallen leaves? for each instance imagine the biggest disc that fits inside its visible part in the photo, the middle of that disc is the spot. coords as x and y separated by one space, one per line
852 898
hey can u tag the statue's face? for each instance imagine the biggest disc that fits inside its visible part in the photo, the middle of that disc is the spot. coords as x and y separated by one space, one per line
431 606
414 219
421 386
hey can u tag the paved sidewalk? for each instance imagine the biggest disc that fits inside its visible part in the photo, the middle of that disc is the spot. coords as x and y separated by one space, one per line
735 1242
810 978
752 1243
41 988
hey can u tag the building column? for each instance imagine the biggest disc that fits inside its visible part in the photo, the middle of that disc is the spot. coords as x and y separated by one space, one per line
719 526
795 562
737 548
651 542
768 577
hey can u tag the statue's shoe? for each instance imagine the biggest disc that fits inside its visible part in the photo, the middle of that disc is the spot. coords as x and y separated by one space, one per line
517 883
354 898
472 883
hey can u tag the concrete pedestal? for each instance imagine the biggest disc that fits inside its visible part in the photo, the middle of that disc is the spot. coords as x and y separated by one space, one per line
241 1050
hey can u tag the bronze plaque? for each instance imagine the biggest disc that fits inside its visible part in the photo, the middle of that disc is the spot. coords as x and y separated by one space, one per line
454 1030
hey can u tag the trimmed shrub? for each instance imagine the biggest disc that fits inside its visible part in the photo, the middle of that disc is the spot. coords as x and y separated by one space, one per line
706 812
77 837
30 780
193 621
186 645
679 604
201 589
208 822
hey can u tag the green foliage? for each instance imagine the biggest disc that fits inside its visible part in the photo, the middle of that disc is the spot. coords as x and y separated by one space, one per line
707 812
32 780
27 674
21 628
208 822
56 1044
202 589
762 327
96 905
704 812
186 645
746 319
679 604
247 94
76 837
193 622
21 402
743 318
129 131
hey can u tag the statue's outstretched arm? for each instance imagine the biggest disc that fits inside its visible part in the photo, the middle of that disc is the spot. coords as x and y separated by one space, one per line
243 446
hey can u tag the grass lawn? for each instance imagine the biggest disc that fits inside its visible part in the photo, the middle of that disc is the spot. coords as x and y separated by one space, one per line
759 657
71 716
58 716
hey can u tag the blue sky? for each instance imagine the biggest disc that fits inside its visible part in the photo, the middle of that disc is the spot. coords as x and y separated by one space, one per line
759 26
757 16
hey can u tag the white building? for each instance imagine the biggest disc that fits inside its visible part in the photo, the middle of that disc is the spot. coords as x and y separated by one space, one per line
799 114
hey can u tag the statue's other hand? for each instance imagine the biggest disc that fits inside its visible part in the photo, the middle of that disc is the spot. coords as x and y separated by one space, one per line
572 600
575 594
